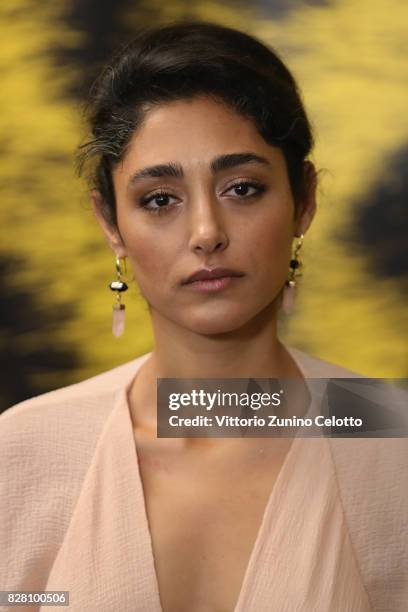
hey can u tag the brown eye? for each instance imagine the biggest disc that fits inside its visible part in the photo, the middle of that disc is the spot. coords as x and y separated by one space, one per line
161 200
247 189
242 189
157 202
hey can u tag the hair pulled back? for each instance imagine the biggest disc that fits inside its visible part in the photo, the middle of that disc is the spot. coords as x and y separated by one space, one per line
182 60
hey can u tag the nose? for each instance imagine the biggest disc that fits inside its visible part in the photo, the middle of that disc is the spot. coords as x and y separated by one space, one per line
207 228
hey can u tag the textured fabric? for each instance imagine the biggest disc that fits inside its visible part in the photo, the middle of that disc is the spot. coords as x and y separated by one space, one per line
73 517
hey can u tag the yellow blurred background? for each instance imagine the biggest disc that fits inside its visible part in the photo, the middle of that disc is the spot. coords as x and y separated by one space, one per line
350 61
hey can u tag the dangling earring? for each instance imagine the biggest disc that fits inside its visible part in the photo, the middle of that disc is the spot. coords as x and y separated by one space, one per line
118 317
289 291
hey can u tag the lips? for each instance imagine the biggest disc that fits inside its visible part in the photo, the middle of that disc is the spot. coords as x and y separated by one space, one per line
209 274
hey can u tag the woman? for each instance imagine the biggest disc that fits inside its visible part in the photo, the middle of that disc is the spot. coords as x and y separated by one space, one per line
200 141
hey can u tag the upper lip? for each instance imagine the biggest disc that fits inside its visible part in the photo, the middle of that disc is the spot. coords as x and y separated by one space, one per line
209 273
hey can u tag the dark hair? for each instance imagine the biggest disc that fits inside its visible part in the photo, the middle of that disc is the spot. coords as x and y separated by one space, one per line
182 60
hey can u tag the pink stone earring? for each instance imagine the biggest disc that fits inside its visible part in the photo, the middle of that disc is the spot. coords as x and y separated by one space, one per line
118 318
290 289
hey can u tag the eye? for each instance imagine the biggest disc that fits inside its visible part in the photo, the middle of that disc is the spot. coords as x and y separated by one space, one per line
243 189
160 198
160 203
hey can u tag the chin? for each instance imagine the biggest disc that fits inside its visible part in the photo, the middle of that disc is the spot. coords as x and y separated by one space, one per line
218 324
241 322
207 328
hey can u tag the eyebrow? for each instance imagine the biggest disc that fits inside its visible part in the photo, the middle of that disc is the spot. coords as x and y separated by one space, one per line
223 162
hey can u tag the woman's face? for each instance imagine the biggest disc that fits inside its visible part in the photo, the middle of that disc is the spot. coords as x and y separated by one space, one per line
200 188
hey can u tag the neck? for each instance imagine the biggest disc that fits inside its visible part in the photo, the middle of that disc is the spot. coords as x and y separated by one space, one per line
251 352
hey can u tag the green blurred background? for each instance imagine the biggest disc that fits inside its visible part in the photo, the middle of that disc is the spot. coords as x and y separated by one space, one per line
350 61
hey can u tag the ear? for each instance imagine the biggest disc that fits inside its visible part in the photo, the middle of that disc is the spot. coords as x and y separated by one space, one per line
111 232
307 206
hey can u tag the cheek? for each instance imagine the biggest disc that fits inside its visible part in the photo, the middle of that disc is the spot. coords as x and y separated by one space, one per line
151 255
270 241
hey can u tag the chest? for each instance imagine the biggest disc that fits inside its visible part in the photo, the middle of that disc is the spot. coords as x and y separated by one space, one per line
204 522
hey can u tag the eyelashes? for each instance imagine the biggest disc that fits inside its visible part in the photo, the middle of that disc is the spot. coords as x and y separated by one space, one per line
161 194
165 196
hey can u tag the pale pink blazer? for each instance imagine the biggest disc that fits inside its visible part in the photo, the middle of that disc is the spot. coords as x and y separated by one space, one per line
72 514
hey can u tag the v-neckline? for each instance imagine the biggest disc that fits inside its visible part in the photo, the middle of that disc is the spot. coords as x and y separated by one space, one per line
271 502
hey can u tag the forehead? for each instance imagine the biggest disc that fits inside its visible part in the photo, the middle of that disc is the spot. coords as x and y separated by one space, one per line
192 132
202 111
